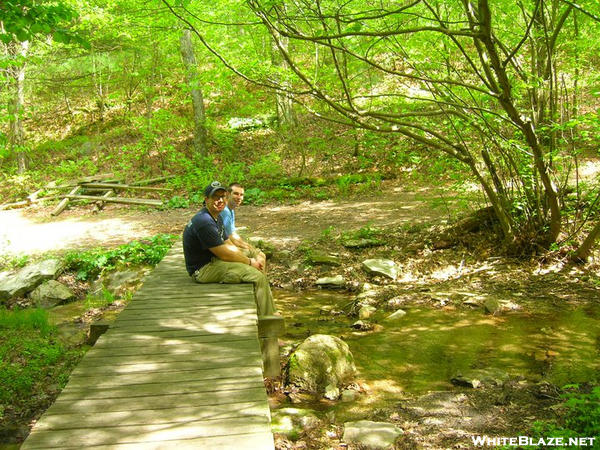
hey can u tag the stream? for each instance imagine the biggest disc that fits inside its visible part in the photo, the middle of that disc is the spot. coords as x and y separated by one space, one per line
423 350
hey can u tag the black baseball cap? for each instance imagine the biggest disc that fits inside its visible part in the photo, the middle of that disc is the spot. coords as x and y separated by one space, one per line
212 188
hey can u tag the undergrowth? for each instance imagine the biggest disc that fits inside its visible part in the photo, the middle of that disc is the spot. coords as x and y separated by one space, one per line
581 417
90 263
31 355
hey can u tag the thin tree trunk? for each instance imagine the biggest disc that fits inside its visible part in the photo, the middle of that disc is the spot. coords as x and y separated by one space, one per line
189 60
286 115
17 139
583 252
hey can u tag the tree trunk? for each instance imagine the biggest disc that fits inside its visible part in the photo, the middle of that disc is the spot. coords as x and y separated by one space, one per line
17 139
189 60
583 252
285 107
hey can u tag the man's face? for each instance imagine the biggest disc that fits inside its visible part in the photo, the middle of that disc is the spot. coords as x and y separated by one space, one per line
216 203
236 197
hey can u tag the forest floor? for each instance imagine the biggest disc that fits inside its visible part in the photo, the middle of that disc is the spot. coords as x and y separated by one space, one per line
412 223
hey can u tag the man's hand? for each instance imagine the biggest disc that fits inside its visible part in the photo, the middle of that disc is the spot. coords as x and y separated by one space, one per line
257 264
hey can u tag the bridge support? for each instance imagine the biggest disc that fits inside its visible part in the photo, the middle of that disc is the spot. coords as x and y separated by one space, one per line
269 329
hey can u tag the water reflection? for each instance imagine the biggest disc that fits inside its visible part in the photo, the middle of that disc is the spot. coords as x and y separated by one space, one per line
423 350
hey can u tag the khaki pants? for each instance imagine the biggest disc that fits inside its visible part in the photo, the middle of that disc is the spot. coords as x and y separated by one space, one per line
219 271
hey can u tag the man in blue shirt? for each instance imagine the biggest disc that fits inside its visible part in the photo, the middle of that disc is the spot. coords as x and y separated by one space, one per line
211 257
235 199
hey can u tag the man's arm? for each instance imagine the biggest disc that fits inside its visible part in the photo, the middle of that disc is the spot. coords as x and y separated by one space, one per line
229 252
237 240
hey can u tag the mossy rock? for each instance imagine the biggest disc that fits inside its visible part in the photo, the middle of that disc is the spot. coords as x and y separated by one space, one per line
321 361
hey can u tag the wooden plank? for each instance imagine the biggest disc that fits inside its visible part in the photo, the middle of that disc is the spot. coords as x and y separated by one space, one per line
149 328
184 284
176 310
152 416
128 361
156 402
208 320
157 367
152 180
91 377
194 299
242 442
247 441
129 201
196 351
169 338
122 187
186 296
74 182
63 203
160 389
167 432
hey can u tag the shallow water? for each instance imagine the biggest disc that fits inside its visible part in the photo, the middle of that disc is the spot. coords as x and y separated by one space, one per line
426 348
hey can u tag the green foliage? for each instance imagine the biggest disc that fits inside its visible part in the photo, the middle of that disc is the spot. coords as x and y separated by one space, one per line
366 232
254 196
106 298
22 20
15 187
267 167
9 262
90 263
327 233
177 202
364 182
581 418
69 168
30 354
37 320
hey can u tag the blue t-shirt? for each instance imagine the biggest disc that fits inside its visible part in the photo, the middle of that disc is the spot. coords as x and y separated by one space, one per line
202 233
228 216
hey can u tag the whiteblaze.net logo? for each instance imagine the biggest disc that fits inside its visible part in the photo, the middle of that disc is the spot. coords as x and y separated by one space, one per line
524 441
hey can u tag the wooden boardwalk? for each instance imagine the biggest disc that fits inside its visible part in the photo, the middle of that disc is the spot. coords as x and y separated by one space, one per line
181 367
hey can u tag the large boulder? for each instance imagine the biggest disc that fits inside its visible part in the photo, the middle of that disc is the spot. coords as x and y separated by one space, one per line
321 364
29 278
52 293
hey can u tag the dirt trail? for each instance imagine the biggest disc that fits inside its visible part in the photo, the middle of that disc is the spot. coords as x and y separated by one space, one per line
34 231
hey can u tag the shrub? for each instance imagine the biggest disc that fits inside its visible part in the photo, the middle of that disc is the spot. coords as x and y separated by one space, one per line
581 417
90 263
32 356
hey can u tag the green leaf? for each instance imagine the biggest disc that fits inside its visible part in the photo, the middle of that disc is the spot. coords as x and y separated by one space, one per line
22 35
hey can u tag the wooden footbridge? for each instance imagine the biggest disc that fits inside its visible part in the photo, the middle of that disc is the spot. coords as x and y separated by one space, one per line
181 367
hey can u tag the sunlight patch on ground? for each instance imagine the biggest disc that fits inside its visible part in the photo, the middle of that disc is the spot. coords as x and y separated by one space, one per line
407 277
21 235
445 273
551 268
589 169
